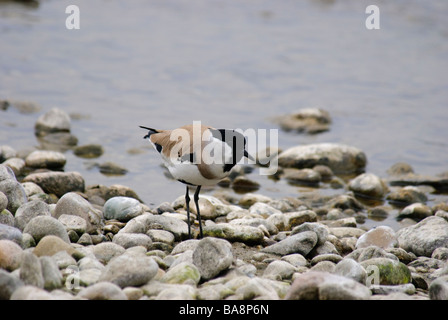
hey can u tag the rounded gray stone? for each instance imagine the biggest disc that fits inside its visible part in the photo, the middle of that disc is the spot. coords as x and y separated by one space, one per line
211 256
41 226
122 208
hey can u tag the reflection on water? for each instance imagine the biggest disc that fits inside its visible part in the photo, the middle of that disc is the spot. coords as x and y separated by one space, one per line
229 64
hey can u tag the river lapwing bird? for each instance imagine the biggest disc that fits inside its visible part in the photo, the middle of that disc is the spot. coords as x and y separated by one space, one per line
197 156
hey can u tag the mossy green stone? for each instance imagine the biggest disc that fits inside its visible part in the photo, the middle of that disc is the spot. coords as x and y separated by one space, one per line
391 272
182 273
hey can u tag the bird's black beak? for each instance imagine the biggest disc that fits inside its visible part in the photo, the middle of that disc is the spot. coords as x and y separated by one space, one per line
247 155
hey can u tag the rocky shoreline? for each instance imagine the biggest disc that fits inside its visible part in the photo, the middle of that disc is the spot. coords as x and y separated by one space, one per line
63 239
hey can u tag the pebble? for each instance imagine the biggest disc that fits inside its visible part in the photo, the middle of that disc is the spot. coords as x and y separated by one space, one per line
10 233
58 141
26 212
308 120
89 151
30 292
367 253
50 272
73 204
248 199
338 157
17 165
10 255
408 288
210 207
400 168
42 226
368 185
234 233
438 289
111 168
298 217
50 244
263 209
127 240
58 183
182 273
7 152
161 236
321 231
6 218
31 189
279 270
130 270
122 208
244 184
416 211
117 190
307 177
63 259
349 268
55 120
43 159
14 193
3 201
133 293
72 222
406 196
177 292
316 285
211 256
341 232
256 222
302 243
334 258
391 272
105 251
381 236
31 270
257 288
102 291
424 237
145 222
296 260
8 284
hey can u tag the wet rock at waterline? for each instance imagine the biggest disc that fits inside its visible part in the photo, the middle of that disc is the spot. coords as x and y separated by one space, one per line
368 185
45 160
58 183
338 157
308 120
89 151
55 120
111 168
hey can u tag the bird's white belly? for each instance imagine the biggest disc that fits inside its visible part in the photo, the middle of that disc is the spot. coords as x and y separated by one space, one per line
189 173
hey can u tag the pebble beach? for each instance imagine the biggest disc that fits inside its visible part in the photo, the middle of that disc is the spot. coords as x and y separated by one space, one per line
61 238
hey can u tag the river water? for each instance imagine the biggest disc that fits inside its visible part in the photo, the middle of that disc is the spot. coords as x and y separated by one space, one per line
229 64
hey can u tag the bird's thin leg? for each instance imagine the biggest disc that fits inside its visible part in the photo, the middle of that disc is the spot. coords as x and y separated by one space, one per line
187 202
196 199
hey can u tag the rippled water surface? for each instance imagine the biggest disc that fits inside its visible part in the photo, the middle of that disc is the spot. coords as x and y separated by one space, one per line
229 64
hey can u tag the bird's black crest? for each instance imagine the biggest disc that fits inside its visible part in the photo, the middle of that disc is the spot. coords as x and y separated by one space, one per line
151 131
